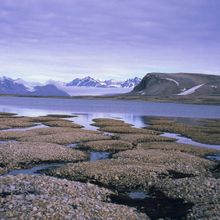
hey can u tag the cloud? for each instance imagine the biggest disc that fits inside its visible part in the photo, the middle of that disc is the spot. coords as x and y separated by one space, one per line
58 38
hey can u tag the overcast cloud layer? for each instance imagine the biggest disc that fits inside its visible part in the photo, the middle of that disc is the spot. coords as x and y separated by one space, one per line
64 39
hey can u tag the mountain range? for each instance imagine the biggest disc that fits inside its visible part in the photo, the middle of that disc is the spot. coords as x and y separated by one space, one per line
90 82
18 87
57 88
152 85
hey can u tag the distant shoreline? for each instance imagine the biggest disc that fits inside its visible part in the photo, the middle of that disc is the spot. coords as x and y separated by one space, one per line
198 100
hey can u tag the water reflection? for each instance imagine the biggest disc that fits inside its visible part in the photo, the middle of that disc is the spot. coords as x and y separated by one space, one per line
215 157
185 140
132 112
30 106
99 155
26 128
21 111
34 170
137 195
87 119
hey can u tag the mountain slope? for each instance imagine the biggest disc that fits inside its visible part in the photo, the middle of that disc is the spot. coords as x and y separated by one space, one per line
182 84
9 86
48 90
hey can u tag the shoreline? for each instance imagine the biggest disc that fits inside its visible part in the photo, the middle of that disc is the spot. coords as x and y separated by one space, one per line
211 100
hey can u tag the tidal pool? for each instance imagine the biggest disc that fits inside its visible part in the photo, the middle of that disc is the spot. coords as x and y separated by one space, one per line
34 170
184 140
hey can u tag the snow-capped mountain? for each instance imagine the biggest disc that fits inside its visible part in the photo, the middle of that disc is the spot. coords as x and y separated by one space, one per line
91 82
130 83
10 86
112 83
87 81
20 87
83 86
29 85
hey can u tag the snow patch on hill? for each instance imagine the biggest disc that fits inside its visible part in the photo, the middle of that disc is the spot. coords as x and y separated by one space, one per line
172 80
191 90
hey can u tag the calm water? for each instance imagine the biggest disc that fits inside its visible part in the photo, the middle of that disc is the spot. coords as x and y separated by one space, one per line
86 119
184 140
34 170
99 155
137 195
42 106
132 112
215 157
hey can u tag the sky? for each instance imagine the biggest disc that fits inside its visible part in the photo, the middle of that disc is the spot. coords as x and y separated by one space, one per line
112 39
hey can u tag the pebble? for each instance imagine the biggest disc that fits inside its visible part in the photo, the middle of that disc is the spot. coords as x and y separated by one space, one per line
51 198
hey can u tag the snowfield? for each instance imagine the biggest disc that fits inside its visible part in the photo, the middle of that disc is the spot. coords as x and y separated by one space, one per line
83 91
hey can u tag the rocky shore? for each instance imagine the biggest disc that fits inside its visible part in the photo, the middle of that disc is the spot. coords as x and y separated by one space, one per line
202 191
24 154
106 145
136 169
201 130
31 197
177 180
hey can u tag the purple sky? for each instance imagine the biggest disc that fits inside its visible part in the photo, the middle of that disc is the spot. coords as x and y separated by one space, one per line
64 39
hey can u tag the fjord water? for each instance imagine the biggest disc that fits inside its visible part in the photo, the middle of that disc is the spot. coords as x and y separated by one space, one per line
29 106
133 112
